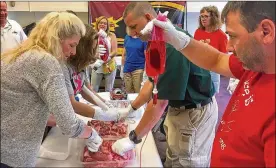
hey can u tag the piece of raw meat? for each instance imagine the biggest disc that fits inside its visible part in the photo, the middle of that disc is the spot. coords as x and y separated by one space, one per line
105 157
109 129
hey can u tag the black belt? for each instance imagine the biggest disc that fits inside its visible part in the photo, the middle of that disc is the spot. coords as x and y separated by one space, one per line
191 106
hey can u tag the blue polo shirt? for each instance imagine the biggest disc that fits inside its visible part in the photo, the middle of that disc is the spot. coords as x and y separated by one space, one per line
135 54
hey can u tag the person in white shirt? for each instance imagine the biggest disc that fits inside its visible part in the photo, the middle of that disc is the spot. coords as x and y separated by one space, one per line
12 33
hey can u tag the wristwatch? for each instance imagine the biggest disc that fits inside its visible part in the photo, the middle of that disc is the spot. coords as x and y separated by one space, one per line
133 137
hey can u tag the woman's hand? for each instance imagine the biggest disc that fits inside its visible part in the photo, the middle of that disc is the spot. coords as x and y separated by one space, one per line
51 121
102 33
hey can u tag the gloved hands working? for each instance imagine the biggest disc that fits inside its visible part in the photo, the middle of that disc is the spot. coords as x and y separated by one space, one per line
94 141
109 105
172 36
112 114
123 145
126 112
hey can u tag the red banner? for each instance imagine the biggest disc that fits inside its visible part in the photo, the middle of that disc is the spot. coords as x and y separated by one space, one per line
114 11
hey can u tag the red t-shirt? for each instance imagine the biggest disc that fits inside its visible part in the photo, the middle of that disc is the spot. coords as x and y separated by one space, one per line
216 39
246 134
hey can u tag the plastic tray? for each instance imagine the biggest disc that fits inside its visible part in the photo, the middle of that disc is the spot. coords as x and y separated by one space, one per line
81 146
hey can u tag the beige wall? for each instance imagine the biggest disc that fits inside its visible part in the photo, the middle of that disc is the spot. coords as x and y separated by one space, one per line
26 18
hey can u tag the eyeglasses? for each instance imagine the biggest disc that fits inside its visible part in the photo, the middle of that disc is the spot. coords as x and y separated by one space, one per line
104 23
204 16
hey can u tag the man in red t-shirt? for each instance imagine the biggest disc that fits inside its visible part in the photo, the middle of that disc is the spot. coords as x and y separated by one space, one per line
246 134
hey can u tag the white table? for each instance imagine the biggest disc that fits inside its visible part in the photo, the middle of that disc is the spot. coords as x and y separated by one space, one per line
57 142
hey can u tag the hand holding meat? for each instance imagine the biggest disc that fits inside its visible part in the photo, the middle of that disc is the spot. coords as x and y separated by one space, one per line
94 141
122 146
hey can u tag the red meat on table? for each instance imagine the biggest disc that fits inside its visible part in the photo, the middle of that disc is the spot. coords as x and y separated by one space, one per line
109 129
105 157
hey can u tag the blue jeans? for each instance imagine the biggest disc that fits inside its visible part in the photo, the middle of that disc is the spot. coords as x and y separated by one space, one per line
216 80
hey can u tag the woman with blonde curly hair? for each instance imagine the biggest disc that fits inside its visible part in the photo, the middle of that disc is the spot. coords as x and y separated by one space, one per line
209 32
32 86
105 69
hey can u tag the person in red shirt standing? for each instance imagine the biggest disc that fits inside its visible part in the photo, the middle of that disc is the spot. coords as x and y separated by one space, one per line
246 134
209 32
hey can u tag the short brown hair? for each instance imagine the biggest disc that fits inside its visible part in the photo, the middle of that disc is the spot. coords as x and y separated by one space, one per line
139 9
86 50
215 21
251 12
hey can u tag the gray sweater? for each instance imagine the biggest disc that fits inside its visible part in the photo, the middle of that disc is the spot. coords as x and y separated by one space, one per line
31 88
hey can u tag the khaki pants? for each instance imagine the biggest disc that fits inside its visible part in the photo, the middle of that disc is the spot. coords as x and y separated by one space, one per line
190 134
133 81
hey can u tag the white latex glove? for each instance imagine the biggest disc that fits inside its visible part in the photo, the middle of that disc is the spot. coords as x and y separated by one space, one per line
172 36
101 50
102 33
123 145
94 141
108 115
126 112
98 64
109 105
122 72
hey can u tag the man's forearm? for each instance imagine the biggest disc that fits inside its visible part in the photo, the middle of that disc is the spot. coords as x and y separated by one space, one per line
151 116
144 95
207 57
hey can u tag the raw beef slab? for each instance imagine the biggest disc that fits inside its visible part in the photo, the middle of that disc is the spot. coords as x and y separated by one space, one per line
109 129
105 157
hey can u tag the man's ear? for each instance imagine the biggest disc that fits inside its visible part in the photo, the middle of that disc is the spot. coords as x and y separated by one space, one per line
149 17
268 31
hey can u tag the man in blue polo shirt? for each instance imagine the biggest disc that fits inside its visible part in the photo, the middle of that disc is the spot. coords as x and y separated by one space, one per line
133 62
